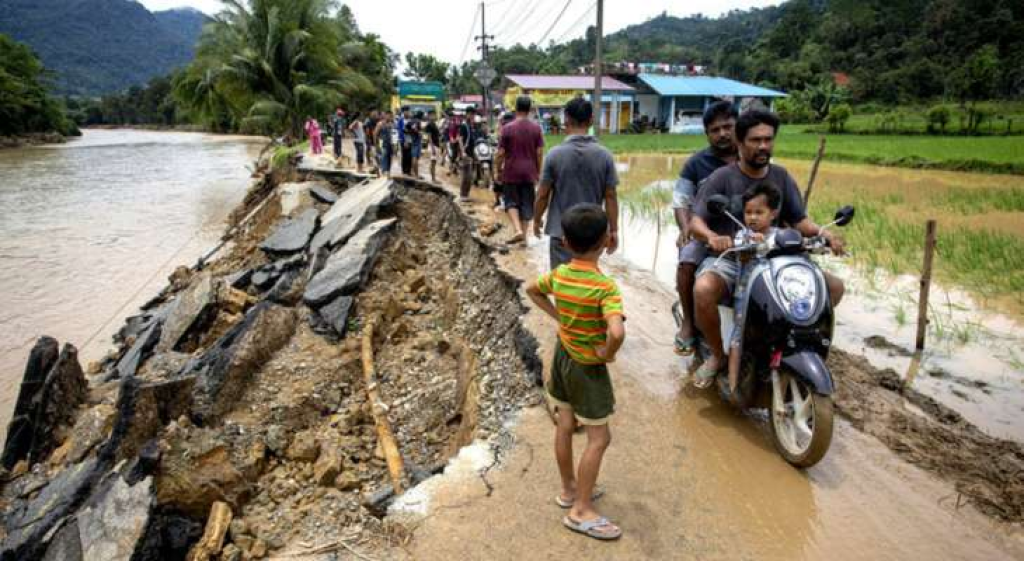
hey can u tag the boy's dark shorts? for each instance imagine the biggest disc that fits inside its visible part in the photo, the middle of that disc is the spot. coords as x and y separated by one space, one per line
585 389
520 196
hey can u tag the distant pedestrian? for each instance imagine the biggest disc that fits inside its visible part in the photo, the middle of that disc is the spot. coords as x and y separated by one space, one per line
359 141
316 143
404 142
433 134
384 135
338 131
370 127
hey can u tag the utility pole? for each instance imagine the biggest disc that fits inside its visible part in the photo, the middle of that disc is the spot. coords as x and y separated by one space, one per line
599 66
485 54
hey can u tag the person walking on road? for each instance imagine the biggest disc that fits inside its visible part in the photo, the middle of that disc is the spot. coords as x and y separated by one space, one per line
385 134
316 143
338 132
517 167
359 142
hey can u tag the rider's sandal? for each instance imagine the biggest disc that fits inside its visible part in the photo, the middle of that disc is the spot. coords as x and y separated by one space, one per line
685 346
705 376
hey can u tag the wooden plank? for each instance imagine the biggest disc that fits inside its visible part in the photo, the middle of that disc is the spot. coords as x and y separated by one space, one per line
396 468
814 172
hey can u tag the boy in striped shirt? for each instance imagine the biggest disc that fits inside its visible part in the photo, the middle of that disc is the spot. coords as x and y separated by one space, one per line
588 307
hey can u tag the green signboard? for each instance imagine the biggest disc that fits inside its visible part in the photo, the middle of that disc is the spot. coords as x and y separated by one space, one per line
420 90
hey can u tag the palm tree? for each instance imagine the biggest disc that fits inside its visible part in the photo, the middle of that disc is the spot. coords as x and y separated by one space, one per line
270 64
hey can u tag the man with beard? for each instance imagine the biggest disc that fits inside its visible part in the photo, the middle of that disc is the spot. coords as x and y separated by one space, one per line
719 127
716 279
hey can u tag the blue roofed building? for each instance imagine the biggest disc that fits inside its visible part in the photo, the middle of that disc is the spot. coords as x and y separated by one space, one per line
677 103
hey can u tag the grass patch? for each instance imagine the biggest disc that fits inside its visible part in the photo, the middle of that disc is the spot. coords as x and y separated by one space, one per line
281 155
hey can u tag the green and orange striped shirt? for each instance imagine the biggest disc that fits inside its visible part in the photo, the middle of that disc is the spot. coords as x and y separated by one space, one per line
585 298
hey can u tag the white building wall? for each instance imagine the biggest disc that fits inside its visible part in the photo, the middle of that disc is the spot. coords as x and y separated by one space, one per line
647 105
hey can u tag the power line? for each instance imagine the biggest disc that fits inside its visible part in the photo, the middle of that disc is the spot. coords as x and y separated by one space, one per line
504 16
530 27
515 24
469 38
572 28
555 23
507 24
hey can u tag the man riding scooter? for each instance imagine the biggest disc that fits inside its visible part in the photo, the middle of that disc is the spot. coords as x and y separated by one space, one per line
716 278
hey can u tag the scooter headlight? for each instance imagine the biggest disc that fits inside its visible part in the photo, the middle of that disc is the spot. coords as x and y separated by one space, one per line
799 289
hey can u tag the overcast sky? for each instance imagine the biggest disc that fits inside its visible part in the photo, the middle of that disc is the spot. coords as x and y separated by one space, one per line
407 26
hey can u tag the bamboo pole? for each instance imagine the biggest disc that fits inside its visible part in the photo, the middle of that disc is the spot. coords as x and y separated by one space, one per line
926 284
814 172
213 536
380 417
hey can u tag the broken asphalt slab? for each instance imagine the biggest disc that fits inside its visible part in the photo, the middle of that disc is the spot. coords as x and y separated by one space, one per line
354 209
347 269
292 235
188 311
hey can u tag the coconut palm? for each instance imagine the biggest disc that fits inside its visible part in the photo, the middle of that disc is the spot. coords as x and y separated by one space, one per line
270 64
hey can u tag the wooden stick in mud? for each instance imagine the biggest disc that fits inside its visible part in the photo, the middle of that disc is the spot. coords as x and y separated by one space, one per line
380 417
814 172
926 284
213 537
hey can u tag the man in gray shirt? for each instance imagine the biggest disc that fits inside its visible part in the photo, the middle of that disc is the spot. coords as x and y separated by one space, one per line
577 171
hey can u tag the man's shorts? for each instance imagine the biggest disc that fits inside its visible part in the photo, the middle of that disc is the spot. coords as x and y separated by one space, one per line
694 253
585 389
725 268
520 196
417 149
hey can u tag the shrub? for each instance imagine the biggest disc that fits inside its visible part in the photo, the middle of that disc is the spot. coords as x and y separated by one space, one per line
838 116
939 116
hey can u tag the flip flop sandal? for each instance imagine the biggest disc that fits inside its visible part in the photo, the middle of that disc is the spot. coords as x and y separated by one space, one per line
593 528
567 504
685 346
705 376
517 239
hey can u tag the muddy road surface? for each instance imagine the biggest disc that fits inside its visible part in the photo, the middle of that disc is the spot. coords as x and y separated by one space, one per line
689 478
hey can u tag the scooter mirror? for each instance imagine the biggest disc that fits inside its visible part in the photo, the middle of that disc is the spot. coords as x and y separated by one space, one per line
845 215
718 204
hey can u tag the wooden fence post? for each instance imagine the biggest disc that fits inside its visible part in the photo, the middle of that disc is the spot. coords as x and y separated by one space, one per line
814 172
931 242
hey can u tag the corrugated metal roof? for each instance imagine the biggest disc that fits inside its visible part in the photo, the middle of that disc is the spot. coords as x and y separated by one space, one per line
704 86
528 82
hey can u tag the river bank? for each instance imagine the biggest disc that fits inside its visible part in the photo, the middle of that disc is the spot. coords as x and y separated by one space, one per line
23 140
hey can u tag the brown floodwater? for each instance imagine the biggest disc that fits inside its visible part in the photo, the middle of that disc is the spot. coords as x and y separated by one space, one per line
92 228
973 362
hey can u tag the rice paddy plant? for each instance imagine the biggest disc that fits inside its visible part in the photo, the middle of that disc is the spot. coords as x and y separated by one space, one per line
649 205
969 202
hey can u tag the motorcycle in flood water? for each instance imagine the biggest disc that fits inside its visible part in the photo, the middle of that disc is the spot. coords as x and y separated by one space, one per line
778 335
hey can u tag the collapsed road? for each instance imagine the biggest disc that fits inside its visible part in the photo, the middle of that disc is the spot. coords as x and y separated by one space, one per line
233 420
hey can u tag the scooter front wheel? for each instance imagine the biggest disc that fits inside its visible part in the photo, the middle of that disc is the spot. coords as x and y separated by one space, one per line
801 420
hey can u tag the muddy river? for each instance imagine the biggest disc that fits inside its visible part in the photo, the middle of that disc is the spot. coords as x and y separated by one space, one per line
89 230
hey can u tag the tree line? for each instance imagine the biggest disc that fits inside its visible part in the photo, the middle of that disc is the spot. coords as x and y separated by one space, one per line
25 104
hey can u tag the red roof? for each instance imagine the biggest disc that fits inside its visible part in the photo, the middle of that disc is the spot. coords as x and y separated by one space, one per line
586 83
